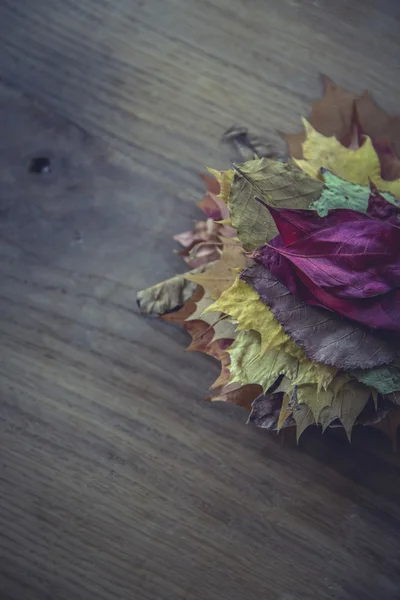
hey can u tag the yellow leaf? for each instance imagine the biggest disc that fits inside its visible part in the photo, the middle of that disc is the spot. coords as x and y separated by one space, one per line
223 327
285 411
356 166
221 275
248 365
224 179
243 304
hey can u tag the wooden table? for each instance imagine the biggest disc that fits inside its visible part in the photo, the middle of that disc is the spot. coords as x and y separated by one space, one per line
117 480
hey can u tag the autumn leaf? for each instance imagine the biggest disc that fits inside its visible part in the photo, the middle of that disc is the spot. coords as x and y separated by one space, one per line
221 276
346 405
266 410
235 393
222 326
165 296
346 262
324 336
333 115
304 418
330 115
281 184
285 413
357 166
202 335
339 193
243 304
385 379
224 179
180 316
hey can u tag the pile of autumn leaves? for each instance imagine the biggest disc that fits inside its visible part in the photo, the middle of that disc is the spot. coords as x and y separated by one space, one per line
295 276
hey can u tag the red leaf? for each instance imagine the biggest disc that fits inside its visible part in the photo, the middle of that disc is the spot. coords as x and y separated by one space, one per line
348 262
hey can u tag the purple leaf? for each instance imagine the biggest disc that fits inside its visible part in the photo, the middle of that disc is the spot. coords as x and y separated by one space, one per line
348 262
324 335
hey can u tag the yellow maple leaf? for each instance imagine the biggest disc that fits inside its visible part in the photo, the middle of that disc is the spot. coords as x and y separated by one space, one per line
243 304
221 275
249 365
224 179
356 166
223 328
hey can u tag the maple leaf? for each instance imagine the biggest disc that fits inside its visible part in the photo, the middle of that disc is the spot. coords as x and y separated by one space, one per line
330 115
346 405
242 395
357 166
221 276
222 326
243 304
339 193
224 179
285 413
339 112
202 335
249 365
325 336
304 418
281 184
212 205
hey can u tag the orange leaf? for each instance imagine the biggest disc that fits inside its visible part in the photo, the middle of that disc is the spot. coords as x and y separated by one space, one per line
242 395
180 316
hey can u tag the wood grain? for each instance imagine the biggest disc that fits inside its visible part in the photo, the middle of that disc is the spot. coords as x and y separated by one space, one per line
116 479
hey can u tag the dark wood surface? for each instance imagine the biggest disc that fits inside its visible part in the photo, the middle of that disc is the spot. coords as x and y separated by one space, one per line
117 481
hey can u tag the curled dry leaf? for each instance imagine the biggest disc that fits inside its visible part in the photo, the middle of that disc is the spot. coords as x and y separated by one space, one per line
280 184
325 336
165 296
180 316
266 410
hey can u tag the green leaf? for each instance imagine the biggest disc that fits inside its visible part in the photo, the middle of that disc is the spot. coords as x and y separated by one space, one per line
249 365
304 418
339 193
346 406
281 185
385 379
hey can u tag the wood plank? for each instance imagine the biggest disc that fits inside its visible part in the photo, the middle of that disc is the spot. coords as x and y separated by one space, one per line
117 479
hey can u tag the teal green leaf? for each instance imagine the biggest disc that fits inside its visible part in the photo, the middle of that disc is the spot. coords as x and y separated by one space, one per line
385 379
339 193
